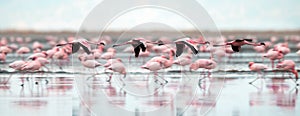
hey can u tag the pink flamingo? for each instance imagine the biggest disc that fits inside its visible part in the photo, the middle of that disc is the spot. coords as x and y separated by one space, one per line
60 55
137 43
288 65
83 43
3 57
238 43
41 54
119 68
273 55
23 50
5 49
258 68
155 66
109 54
283 48
89 63
180 43
37 45
111 61
203 63
183 61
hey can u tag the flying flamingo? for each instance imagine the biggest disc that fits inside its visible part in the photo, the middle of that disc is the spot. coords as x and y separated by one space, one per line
180 43
238 43
137 43
83 43
288 65
258 68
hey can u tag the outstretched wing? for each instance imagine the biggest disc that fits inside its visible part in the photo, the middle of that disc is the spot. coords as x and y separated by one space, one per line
142 45
137 51
85 46
249 40
235 48
179 49
195 51
75 47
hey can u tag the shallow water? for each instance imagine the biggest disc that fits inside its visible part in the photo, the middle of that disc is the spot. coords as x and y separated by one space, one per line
75 90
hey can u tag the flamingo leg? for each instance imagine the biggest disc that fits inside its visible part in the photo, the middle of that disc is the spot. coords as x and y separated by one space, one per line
165 81
257 77
109 80
122 81
156 80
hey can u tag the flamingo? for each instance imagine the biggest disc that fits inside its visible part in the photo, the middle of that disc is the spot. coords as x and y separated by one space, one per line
137 43
203 63
155 66
183 61
3 56
17 65
83 43
89 63
119 68
5 49
238 43
37 45
283 48
273 55
109 54
41 54
60 55
258 68
23 50
288 65
188 42
35 64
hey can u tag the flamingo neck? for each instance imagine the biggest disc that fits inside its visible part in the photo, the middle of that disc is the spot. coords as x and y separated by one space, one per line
295 72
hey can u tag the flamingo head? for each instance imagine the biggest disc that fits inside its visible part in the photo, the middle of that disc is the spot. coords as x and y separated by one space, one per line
33 58
194 66
250 64
263 44
44 52
102 43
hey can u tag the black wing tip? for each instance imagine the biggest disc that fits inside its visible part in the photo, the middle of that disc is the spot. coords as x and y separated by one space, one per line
249 40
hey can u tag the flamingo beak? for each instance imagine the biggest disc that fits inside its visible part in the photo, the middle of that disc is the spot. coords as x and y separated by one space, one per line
124 76
207 44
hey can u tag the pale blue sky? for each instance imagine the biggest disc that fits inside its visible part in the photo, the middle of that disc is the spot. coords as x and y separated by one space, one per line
227 14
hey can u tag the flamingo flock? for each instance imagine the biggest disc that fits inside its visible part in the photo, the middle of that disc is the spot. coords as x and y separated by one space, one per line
162 54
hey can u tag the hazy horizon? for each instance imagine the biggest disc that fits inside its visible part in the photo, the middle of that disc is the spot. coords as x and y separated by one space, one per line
228 15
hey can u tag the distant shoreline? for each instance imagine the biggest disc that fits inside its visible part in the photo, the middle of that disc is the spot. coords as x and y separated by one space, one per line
150 33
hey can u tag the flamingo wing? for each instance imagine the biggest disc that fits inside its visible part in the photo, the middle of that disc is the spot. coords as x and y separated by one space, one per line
235 48
195 51
142 45
75 47
249 40
179 49
137 51
85 47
